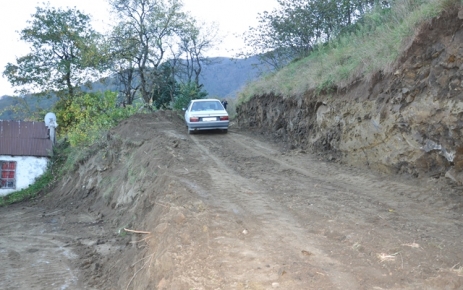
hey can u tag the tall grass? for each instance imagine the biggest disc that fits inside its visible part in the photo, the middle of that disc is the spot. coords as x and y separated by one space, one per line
374 46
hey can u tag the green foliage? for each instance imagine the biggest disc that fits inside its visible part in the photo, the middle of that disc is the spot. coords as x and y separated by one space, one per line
187 92
63 53
84 118
167 87
32 191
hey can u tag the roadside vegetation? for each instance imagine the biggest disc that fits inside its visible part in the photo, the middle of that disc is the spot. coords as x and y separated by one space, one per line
370 45
42 183
88 120
155 51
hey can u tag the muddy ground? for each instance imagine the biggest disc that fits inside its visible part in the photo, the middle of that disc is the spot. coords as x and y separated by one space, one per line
155 208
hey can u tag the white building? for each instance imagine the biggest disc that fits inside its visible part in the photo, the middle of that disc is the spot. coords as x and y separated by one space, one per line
25 149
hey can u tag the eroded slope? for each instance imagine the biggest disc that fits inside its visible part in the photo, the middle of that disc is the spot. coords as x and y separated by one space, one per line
408 121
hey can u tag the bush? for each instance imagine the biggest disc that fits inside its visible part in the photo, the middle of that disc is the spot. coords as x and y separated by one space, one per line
187 92
87 116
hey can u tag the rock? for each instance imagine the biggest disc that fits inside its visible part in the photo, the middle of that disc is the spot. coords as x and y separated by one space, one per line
455 176
161 228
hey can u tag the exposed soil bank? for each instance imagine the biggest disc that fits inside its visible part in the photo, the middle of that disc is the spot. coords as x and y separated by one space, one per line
408 121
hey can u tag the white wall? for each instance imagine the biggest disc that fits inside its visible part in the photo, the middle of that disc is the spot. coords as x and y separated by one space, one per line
27 170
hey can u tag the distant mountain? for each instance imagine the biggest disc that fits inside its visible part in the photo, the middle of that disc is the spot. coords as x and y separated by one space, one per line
34 103
222 78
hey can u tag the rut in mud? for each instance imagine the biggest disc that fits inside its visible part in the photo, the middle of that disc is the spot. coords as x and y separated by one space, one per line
229 211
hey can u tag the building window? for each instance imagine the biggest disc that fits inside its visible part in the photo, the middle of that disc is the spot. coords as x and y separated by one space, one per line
8 174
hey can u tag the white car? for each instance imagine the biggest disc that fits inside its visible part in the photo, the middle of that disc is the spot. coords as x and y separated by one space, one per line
206 114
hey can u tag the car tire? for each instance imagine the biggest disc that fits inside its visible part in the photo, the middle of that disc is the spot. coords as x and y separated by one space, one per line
190 131
225 131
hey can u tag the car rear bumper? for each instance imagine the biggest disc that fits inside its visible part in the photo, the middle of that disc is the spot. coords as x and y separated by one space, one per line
208 125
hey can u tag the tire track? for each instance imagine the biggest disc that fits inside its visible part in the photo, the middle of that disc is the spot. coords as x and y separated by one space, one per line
32 256
346 205
271 227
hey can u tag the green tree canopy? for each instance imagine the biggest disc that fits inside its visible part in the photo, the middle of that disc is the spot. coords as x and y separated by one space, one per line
63 53
292 30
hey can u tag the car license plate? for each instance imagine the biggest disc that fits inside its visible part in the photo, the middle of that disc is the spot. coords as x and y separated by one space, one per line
209 119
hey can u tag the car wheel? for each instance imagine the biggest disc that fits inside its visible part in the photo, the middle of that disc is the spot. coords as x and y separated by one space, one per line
225 131
190 131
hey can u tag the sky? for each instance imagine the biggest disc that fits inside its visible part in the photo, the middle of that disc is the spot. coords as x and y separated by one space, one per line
233 17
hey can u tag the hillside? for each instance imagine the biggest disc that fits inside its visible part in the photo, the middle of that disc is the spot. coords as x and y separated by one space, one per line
33 103
226 76
406 121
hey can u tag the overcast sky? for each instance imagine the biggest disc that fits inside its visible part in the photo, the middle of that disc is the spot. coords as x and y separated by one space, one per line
232 16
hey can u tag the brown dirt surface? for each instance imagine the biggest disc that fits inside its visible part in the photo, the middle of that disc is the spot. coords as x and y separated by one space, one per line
155 208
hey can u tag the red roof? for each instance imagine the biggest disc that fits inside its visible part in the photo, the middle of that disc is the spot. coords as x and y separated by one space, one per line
21 138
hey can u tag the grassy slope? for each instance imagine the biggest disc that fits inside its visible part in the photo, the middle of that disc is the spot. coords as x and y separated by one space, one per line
374 47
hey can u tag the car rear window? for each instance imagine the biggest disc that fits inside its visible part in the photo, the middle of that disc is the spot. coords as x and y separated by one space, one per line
207 105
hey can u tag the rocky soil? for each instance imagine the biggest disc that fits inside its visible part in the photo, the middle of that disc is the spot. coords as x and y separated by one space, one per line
155 208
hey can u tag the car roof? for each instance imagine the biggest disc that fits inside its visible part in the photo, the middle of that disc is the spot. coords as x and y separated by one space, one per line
205 100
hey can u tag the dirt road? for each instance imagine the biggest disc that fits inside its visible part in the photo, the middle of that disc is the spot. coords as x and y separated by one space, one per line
229 211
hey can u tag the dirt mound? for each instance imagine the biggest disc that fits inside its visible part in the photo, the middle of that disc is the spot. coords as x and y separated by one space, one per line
156 208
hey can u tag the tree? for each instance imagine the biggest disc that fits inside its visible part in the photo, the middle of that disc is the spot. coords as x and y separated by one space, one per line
293 30
155 44
187 92
145 31
167 87
195 39
122 50
64 54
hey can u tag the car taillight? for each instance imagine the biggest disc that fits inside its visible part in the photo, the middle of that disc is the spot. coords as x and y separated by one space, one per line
223 118
194 119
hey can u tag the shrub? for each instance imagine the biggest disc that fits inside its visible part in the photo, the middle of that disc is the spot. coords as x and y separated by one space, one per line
187 92
87 116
